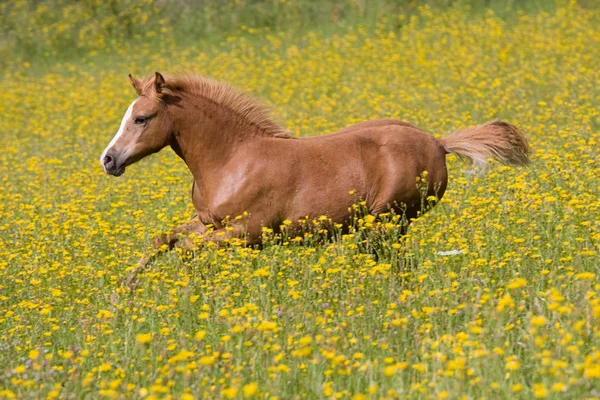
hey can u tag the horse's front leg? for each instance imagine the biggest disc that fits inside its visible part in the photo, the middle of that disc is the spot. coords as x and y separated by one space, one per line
178 237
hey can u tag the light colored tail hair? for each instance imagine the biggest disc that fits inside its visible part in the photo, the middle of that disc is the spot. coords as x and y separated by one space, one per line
495 139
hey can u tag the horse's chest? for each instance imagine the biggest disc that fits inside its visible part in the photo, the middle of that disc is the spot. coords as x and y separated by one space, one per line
199 202
207 210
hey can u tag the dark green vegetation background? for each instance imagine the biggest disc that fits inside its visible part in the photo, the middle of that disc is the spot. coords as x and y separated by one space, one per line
47 31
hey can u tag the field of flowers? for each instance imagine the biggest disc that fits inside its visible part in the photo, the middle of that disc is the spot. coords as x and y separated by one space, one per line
512 311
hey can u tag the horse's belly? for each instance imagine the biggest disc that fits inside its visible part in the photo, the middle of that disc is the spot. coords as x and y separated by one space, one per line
325 197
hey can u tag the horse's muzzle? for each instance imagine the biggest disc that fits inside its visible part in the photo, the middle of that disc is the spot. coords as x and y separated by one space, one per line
111 164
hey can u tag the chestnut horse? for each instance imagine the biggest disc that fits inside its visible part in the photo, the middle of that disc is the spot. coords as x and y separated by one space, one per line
243 161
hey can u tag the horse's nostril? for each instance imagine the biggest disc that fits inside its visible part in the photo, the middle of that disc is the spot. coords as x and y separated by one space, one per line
112 165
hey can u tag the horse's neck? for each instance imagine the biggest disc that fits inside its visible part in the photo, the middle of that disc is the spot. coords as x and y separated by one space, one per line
206 142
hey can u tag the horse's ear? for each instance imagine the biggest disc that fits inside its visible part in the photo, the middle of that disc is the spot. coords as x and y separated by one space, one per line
136 84
159 82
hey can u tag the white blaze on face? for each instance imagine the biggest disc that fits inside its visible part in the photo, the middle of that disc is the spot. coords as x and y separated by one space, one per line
119 133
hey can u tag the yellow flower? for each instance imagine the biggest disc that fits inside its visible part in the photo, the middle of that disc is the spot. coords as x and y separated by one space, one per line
143 337
540 391
517 387
586 276
305 340
203 315
539 320
505 302
229 393
105 367
373 389
206 360
419 367
592 371
512 365
516 283
200 335
262 272
250 389
181 356
559 387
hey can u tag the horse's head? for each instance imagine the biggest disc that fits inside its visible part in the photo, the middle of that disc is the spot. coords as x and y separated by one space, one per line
145 129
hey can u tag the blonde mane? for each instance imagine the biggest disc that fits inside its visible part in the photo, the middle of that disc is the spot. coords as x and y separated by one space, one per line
235 101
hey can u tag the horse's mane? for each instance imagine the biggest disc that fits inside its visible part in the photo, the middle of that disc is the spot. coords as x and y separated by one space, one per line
235 101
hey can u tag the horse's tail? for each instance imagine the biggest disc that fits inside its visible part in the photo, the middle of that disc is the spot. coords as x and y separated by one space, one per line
495 139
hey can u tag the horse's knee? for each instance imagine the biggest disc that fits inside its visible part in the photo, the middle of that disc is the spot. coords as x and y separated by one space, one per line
159 240
165 239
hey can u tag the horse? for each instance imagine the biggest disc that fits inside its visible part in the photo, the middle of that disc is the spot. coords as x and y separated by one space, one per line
244 162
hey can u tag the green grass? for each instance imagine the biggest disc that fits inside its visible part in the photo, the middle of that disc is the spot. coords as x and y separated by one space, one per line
513 315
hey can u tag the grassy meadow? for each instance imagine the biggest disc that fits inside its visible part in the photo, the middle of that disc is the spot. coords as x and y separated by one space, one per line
494 294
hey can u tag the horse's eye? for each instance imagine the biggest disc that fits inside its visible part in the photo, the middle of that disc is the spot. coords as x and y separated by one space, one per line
140 120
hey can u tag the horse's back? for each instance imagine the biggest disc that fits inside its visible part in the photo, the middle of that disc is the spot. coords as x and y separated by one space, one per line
374 123
402 141
380 158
